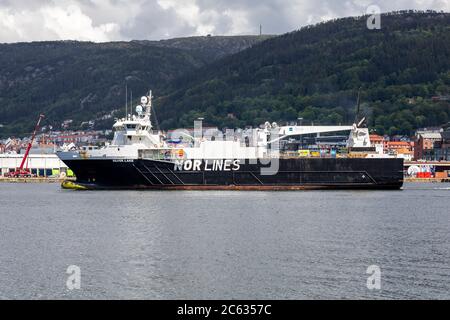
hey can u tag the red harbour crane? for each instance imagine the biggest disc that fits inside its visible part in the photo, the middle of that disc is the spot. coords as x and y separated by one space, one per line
21 172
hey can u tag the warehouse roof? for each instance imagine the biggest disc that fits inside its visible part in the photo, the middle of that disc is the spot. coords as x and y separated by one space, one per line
431 135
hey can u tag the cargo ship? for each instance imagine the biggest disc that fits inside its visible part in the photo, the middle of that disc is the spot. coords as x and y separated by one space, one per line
139 157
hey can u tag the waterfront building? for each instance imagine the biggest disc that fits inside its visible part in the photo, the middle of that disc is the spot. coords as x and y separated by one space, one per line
441 148
401 149
425 142
42 165
379 142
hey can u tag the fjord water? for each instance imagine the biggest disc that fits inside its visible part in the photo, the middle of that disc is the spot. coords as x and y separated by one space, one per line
223 245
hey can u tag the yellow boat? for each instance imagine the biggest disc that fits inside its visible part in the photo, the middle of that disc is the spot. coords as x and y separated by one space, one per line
71 185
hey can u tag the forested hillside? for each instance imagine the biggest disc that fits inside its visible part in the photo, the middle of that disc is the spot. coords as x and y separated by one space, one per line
211 48
85 81
314 73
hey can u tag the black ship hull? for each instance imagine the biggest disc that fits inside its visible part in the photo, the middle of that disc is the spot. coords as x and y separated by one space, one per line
286 174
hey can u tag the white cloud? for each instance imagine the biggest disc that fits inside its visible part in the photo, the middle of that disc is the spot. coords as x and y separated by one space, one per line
106 20
53 22
240 22
190 13
71 23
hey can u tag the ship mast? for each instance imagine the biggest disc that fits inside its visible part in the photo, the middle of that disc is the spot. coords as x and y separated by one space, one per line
146 104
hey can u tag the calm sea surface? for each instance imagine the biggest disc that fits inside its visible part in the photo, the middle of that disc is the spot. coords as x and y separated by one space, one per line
224 245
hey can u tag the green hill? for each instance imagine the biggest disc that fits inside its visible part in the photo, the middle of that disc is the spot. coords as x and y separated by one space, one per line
211 48
86 81
314 73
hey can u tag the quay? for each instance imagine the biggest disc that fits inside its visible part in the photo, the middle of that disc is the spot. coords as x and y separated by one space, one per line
35 180
48 168
60 180
428 180
442 165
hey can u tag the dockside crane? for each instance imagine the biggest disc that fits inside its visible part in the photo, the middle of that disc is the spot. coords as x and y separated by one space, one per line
21 172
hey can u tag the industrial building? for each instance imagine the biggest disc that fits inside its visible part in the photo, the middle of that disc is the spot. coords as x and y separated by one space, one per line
42 165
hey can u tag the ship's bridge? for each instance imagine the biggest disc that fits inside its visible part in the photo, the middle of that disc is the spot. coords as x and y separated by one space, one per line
137 129
134 131
132 127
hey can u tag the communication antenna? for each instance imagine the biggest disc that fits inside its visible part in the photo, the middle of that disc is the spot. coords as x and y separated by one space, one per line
155 117
358 105
126 101
144 101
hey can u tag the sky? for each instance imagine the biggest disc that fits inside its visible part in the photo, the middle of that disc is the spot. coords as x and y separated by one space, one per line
115 20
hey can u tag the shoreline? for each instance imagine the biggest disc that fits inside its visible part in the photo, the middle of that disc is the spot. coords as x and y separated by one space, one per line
428 180
60 180
34 180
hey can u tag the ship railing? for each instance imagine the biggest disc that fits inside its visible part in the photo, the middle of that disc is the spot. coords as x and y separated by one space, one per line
309 154
162 154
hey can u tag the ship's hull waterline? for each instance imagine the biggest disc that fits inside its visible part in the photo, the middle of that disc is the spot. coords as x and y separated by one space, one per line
286 174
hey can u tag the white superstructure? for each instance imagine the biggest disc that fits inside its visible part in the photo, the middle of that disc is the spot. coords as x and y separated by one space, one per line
134 138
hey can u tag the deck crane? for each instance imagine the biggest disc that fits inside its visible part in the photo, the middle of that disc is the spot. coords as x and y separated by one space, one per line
21 172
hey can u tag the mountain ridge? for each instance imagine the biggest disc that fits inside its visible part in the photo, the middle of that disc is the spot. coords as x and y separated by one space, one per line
85 80
315 72
311 73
